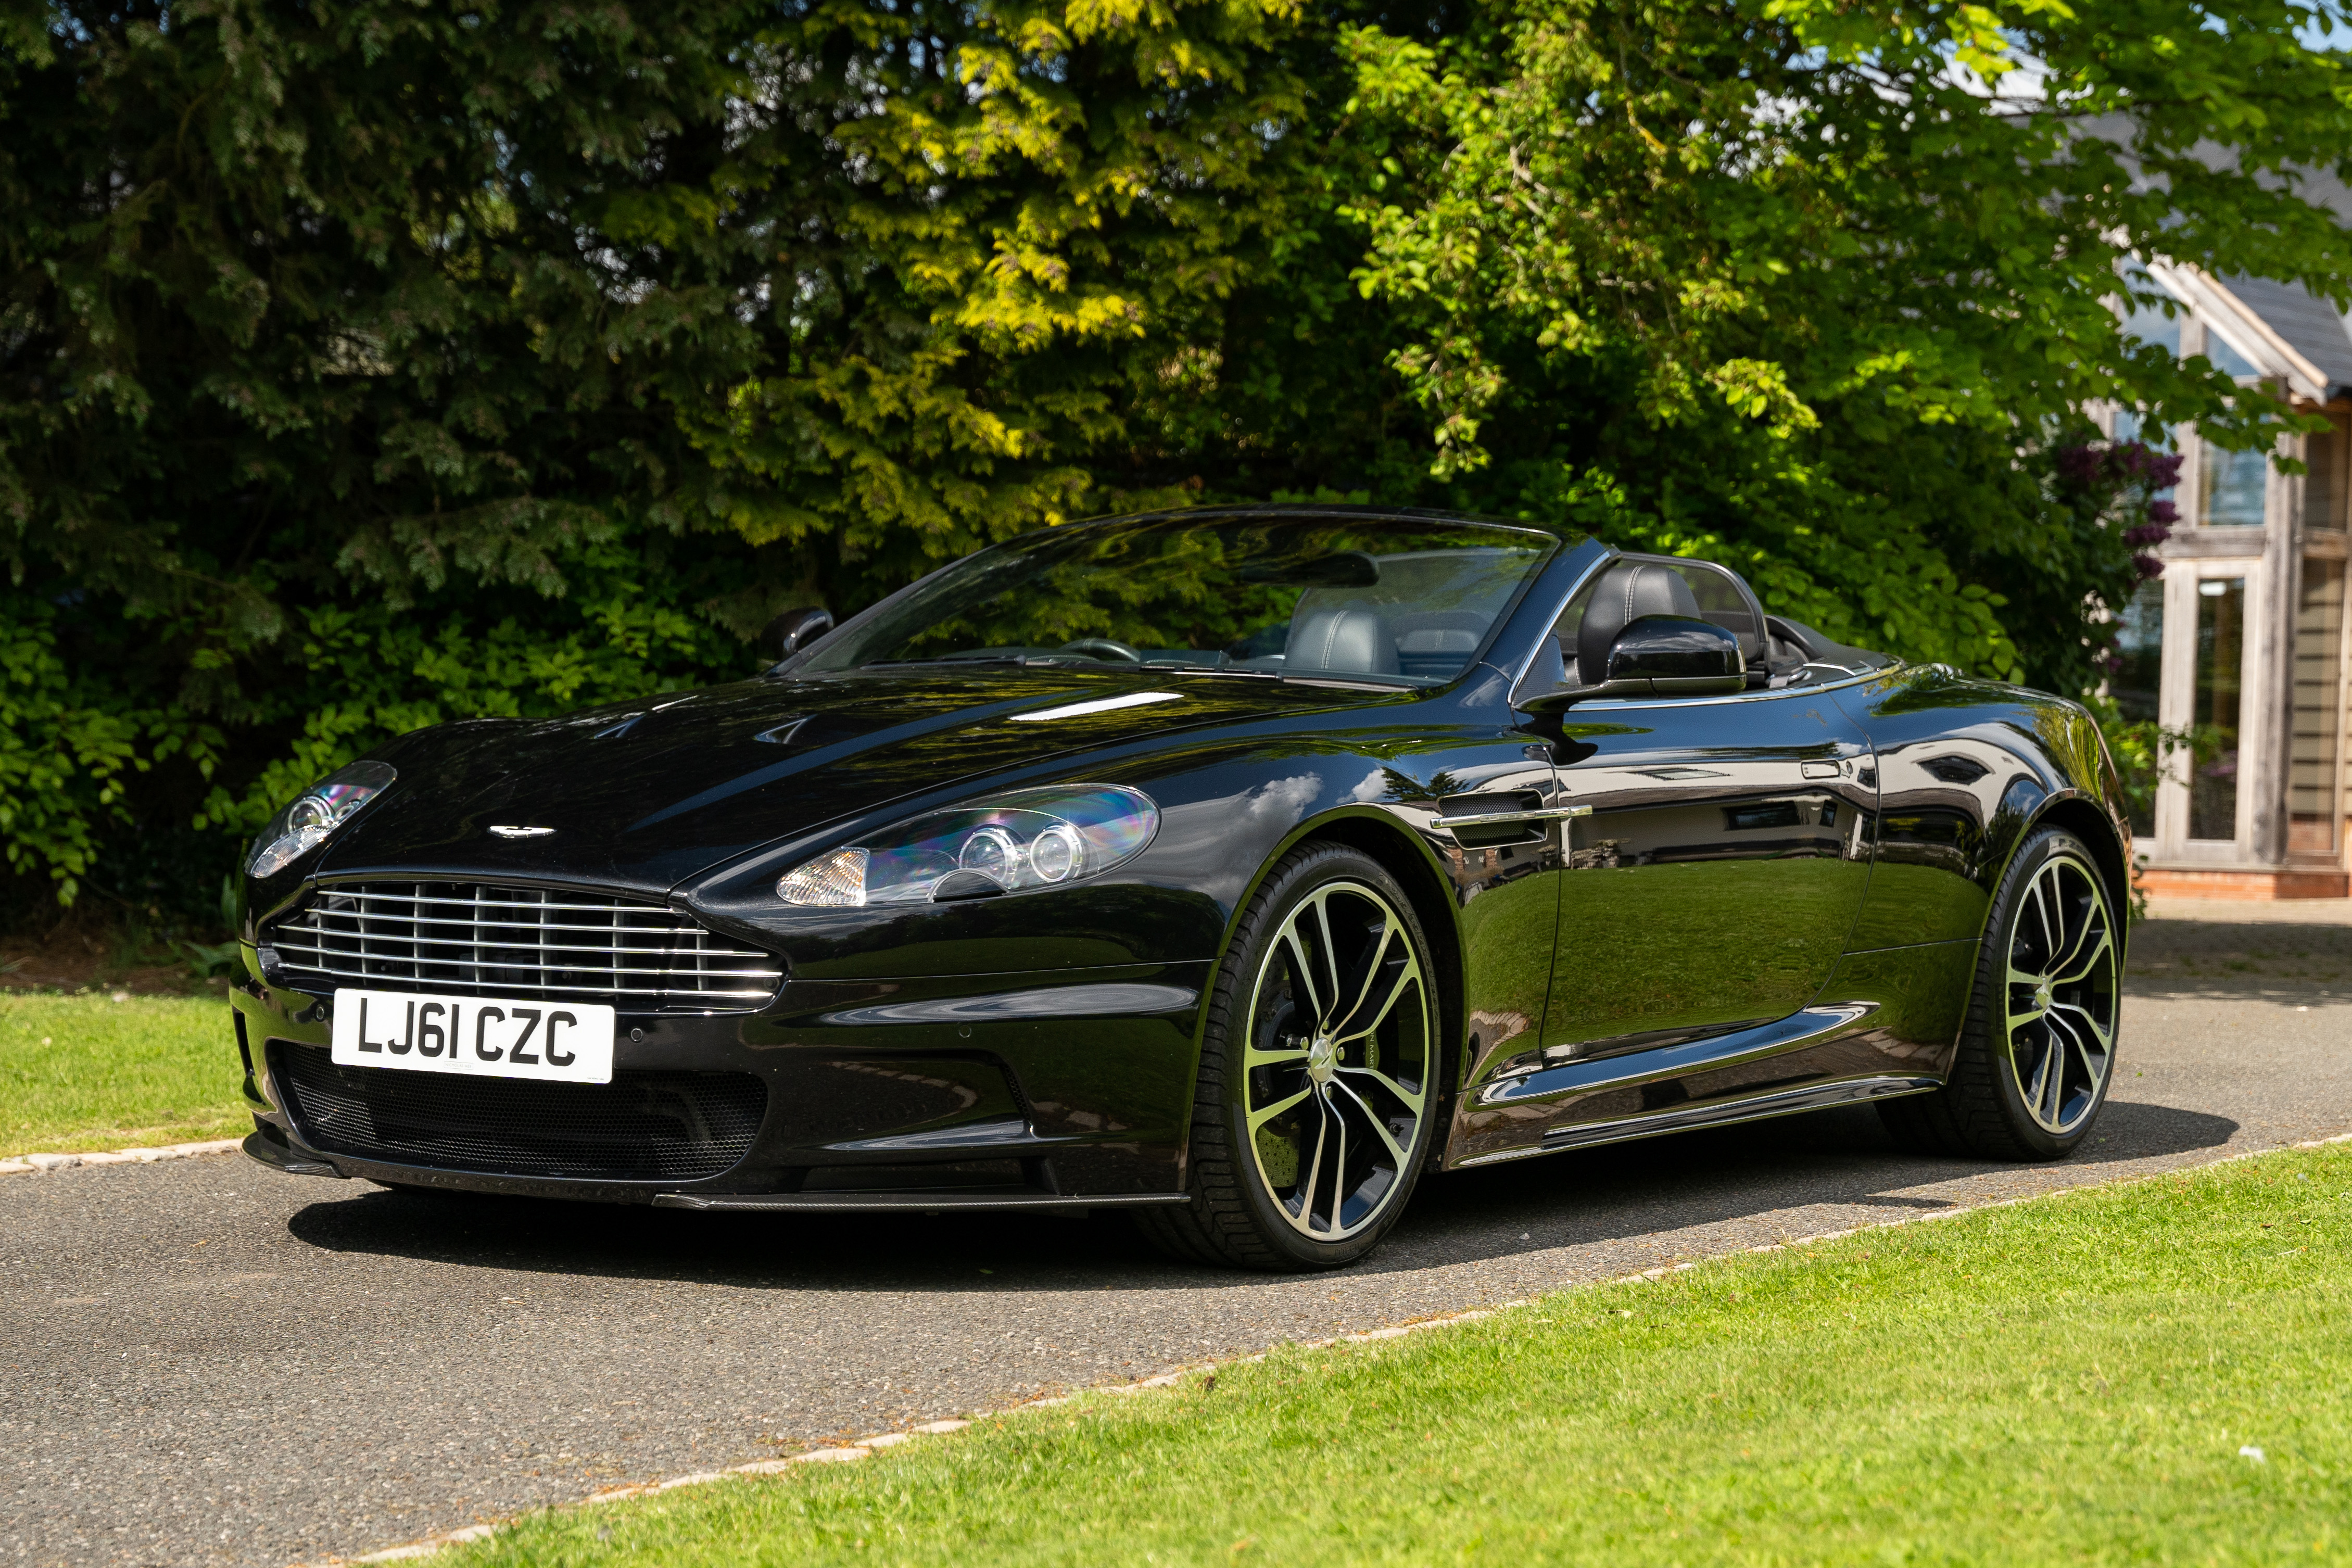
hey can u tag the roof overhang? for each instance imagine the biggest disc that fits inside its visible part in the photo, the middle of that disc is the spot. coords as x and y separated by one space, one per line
2243 330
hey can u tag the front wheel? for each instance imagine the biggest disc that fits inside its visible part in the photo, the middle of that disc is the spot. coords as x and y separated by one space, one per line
1318 1085
2038 1048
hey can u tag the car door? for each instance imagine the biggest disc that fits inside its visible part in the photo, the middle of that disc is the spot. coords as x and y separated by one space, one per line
1717 873
1717 852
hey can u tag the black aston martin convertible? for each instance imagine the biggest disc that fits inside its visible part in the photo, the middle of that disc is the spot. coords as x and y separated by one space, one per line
1232 866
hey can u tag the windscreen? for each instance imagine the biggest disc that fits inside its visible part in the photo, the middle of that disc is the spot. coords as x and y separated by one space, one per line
1404 600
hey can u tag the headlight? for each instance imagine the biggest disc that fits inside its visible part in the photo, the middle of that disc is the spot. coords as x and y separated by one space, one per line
323 808
1030 838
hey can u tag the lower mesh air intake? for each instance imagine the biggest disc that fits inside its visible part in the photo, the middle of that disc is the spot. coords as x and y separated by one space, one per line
641 1127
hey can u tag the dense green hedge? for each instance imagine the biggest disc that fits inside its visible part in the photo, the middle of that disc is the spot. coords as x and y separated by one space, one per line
365 364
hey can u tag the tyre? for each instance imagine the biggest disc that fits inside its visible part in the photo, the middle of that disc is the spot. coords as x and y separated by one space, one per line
1318 1088
2038 1051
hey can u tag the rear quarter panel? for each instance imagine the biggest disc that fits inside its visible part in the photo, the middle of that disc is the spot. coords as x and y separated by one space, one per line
1965 769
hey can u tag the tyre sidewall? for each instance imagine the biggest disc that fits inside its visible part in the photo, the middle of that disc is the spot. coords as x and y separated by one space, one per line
1291 884
1992 991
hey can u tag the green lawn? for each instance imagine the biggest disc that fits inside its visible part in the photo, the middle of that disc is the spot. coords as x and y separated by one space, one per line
2067 1380
87 1072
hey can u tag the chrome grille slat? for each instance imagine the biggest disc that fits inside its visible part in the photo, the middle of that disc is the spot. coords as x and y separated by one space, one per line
406 935
470 923
657 950
509 987
321 953
655 912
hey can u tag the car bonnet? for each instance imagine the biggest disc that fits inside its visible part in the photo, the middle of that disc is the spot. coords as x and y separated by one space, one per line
645 798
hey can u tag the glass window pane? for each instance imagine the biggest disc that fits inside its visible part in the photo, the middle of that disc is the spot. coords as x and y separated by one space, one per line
2225 358
2323 507
2232 487
2220 659
2313 817
1719 601
2139 642
2134 684
2152 324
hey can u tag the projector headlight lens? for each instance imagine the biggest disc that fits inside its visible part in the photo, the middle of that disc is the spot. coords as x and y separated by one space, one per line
1057 853
316 812
1029 838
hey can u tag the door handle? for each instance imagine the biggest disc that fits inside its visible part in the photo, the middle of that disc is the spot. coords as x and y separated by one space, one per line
1488 818
1822 770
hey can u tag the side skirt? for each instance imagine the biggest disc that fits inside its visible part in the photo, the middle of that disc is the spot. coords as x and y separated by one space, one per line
914 1202
1684 1118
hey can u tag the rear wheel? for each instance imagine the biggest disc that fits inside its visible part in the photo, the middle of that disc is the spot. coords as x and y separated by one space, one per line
1318 1091
2039 1049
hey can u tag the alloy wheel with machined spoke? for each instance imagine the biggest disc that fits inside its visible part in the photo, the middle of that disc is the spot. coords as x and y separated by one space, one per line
2036 1053
2062 992
1336 1069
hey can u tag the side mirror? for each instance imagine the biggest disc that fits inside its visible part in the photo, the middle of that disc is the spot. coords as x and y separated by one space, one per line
1677 656
1661 656
794 630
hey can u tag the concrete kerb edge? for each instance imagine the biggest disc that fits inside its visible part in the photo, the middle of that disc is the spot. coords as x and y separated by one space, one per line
41 1164
863 1447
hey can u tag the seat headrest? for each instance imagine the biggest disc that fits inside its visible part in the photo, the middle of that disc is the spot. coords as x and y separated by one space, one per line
1630 591
1356 640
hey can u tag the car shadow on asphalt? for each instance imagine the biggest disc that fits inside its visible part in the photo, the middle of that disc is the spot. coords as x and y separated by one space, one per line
1629 1192
1797 1166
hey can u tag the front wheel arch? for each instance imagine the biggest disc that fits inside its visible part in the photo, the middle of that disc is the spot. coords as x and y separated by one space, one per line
1440 914
1236 1216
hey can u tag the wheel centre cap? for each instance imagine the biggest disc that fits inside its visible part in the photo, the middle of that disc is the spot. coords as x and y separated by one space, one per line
1322 1059
2042 997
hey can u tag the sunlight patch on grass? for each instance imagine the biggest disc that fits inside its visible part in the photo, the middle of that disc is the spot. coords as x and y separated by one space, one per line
2078 1379
85 1072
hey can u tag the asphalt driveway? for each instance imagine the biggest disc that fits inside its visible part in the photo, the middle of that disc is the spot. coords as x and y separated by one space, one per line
206 1362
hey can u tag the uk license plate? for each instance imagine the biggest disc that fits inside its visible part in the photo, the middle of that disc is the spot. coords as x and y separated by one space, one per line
482 1036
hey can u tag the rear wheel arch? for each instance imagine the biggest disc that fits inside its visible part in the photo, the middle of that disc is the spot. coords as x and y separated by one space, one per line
2086 821
1986 1107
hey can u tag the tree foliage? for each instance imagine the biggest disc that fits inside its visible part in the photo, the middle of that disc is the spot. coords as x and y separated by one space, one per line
1827 287
366 364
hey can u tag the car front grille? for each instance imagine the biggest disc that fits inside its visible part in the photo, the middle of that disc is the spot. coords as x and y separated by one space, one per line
479 938
641 1127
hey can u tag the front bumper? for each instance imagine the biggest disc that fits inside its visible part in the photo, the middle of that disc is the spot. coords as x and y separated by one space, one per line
1064 1089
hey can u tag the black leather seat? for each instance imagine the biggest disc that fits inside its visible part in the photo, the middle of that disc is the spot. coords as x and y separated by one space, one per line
1630 591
